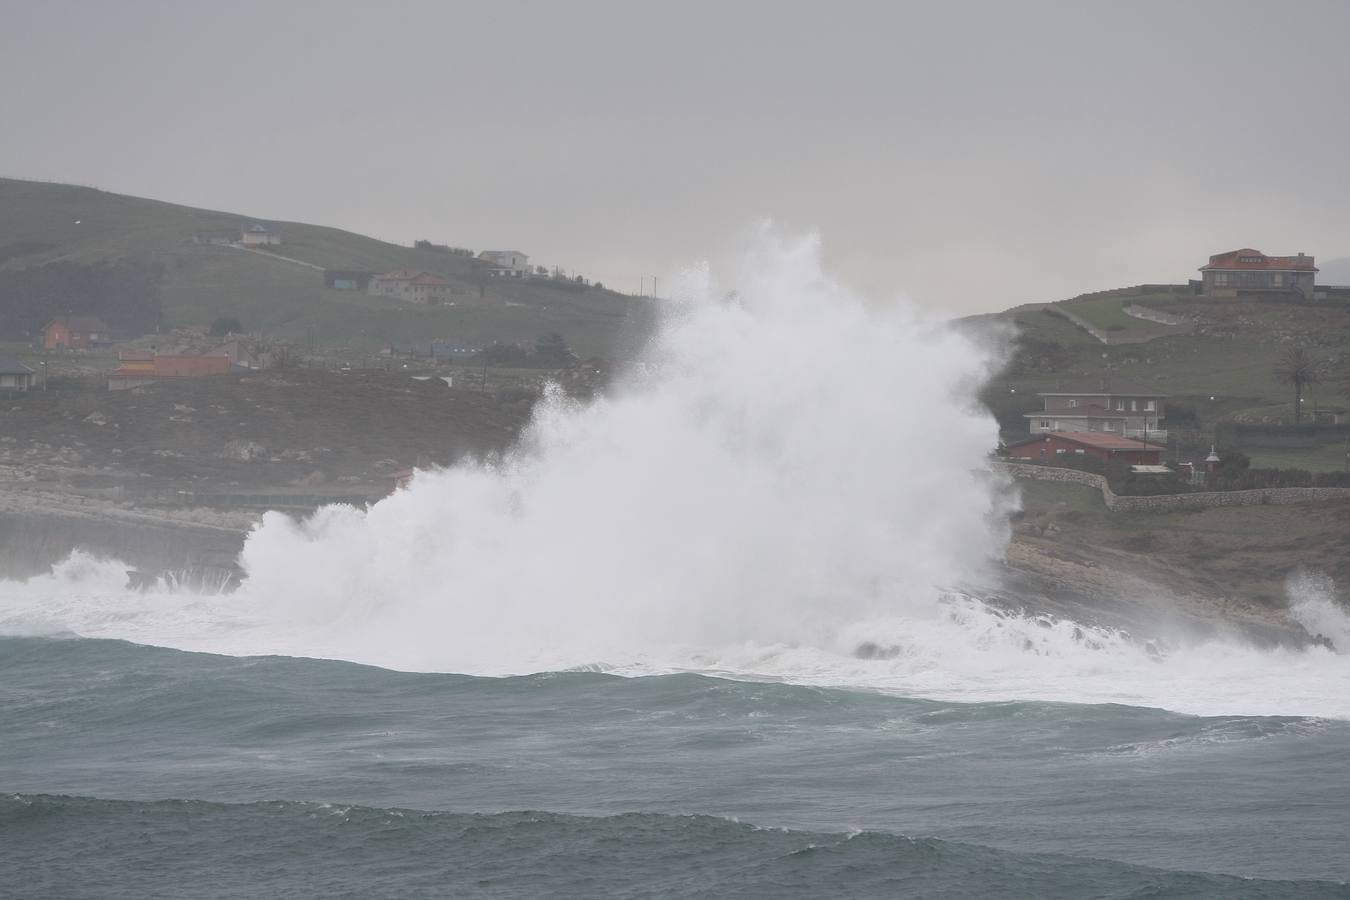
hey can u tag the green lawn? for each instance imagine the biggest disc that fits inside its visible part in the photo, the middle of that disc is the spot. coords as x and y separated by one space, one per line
1322 458
1061 496
1108 314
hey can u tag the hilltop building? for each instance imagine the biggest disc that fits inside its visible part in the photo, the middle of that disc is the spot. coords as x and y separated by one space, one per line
413 287
15 376
507 262
75 333
1111 404
259 234
1052 445
1251 271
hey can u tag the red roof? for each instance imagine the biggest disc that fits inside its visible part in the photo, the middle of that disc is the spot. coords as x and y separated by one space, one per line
1248 259
1103 440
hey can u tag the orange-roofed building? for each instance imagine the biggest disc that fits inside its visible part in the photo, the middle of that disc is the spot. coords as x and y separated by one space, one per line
1251 271
135 368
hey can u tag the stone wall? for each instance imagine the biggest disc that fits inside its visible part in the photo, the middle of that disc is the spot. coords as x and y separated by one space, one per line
1168 502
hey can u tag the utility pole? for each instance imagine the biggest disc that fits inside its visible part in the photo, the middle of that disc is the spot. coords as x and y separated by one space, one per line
654 297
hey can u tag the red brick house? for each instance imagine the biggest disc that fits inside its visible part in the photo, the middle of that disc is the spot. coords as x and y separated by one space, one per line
1053 445
1251 271
75 333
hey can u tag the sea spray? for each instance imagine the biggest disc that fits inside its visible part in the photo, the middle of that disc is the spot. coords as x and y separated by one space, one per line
1315 604
789 485
786 461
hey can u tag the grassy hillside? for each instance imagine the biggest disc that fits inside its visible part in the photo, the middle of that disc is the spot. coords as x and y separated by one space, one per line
45 223
1222 370
1231 355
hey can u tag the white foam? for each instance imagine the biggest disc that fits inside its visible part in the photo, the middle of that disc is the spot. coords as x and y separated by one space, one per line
791 473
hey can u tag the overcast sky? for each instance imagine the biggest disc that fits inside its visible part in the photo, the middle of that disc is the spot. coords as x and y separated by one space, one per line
970 156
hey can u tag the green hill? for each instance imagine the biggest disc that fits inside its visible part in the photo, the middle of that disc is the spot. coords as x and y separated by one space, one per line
1219 368
43 223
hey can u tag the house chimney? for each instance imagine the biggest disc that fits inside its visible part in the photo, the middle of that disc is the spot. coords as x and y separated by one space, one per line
1211 461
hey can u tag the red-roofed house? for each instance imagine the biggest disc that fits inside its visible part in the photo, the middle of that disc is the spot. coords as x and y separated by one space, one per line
75 333
1056 444
414 287
1229 274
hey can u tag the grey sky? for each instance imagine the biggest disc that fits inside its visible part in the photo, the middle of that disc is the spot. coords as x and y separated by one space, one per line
970 155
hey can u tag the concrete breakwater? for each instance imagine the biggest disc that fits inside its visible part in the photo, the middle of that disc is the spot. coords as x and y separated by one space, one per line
1167 502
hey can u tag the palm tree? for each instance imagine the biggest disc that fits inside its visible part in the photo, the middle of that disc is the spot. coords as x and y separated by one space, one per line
1298 367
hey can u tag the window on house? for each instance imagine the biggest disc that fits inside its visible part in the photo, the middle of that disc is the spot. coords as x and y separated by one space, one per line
1080 451
1059 452
1120 405
1134 407
1045 423
1073 402
1149 406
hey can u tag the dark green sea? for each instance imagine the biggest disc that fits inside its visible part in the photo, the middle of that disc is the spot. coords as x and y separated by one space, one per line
134 772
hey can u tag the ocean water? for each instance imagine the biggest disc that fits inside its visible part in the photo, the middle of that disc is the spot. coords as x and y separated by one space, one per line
720 633
133 771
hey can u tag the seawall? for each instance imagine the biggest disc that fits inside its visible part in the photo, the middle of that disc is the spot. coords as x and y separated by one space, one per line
1169 502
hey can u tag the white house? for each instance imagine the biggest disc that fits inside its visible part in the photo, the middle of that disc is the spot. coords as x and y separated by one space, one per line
507 262
255 234
14 375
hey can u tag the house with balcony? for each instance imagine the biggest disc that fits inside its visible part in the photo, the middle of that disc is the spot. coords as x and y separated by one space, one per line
1249 271
1111 404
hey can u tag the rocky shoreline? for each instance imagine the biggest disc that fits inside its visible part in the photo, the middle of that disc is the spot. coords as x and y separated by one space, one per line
1043 573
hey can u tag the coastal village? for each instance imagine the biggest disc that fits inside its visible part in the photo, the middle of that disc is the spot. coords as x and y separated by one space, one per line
1093 422
203 418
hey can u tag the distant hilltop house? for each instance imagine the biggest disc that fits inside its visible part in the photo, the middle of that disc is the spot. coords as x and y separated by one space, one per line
1247 270
14 375
1051 445
75 333
138 367
347 280
413 287
507 262
259 234
1112 405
